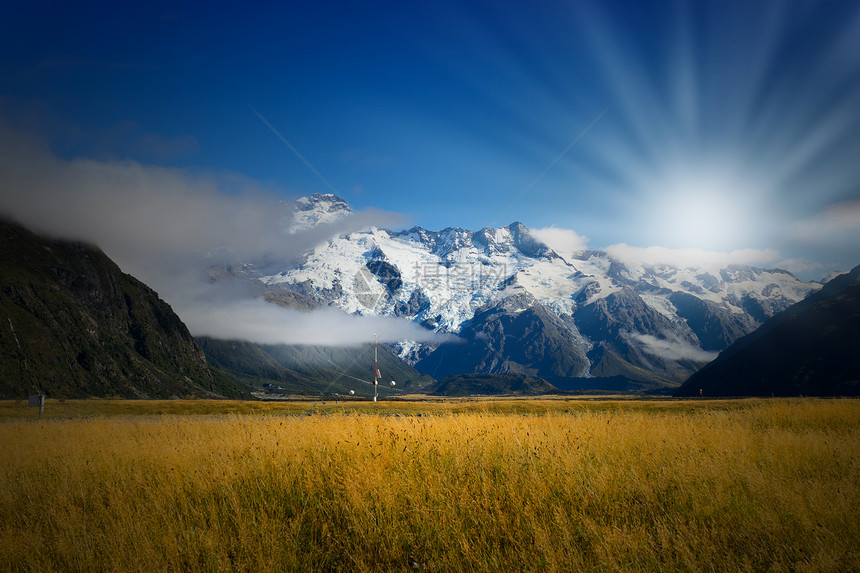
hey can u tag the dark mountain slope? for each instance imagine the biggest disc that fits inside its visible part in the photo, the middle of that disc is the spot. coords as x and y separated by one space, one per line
73 325
493 385
811 349
515 335
612 321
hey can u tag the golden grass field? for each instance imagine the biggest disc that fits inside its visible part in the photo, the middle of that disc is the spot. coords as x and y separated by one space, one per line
503 485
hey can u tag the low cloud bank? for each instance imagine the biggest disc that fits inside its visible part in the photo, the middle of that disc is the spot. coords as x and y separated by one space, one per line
141 214
671 348
265 323
567 243
836 229
165 226
690 257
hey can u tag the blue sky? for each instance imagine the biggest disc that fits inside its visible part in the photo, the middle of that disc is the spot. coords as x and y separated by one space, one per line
730 126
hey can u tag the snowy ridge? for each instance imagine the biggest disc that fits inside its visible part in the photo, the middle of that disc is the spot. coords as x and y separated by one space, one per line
458 276
440 279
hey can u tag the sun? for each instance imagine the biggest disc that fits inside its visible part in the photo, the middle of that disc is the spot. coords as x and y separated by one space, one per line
701 215
700 208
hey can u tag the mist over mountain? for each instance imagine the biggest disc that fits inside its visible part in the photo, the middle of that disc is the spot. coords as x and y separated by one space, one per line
75 326
166 227
812 348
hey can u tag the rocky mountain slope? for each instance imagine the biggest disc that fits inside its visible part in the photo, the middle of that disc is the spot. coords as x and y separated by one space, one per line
810 349
72 325
586 320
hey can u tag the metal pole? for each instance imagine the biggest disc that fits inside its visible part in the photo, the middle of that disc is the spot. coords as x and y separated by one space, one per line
375 366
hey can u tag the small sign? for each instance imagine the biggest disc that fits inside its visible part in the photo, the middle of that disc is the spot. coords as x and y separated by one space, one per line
37 400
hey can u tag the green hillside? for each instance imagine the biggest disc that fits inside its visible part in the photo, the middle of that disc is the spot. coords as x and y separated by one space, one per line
312 370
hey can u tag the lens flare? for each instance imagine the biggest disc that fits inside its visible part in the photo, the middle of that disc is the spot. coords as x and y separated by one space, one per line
738 126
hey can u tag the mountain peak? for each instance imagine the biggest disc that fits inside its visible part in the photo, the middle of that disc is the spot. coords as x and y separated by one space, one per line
318 209
528 244
322 201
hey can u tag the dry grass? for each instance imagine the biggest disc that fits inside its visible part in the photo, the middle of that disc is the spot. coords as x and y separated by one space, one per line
65 409
466 486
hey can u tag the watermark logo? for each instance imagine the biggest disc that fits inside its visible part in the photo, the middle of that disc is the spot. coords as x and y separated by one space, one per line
436 283
459 275
369 292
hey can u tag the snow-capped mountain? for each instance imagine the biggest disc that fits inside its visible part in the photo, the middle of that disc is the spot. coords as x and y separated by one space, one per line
582 321
316 210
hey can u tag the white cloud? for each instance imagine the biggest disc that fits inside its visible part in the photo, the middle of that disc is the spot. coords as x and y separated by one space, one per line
690 257
670 348
145 216
565 242
166 226
264 323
